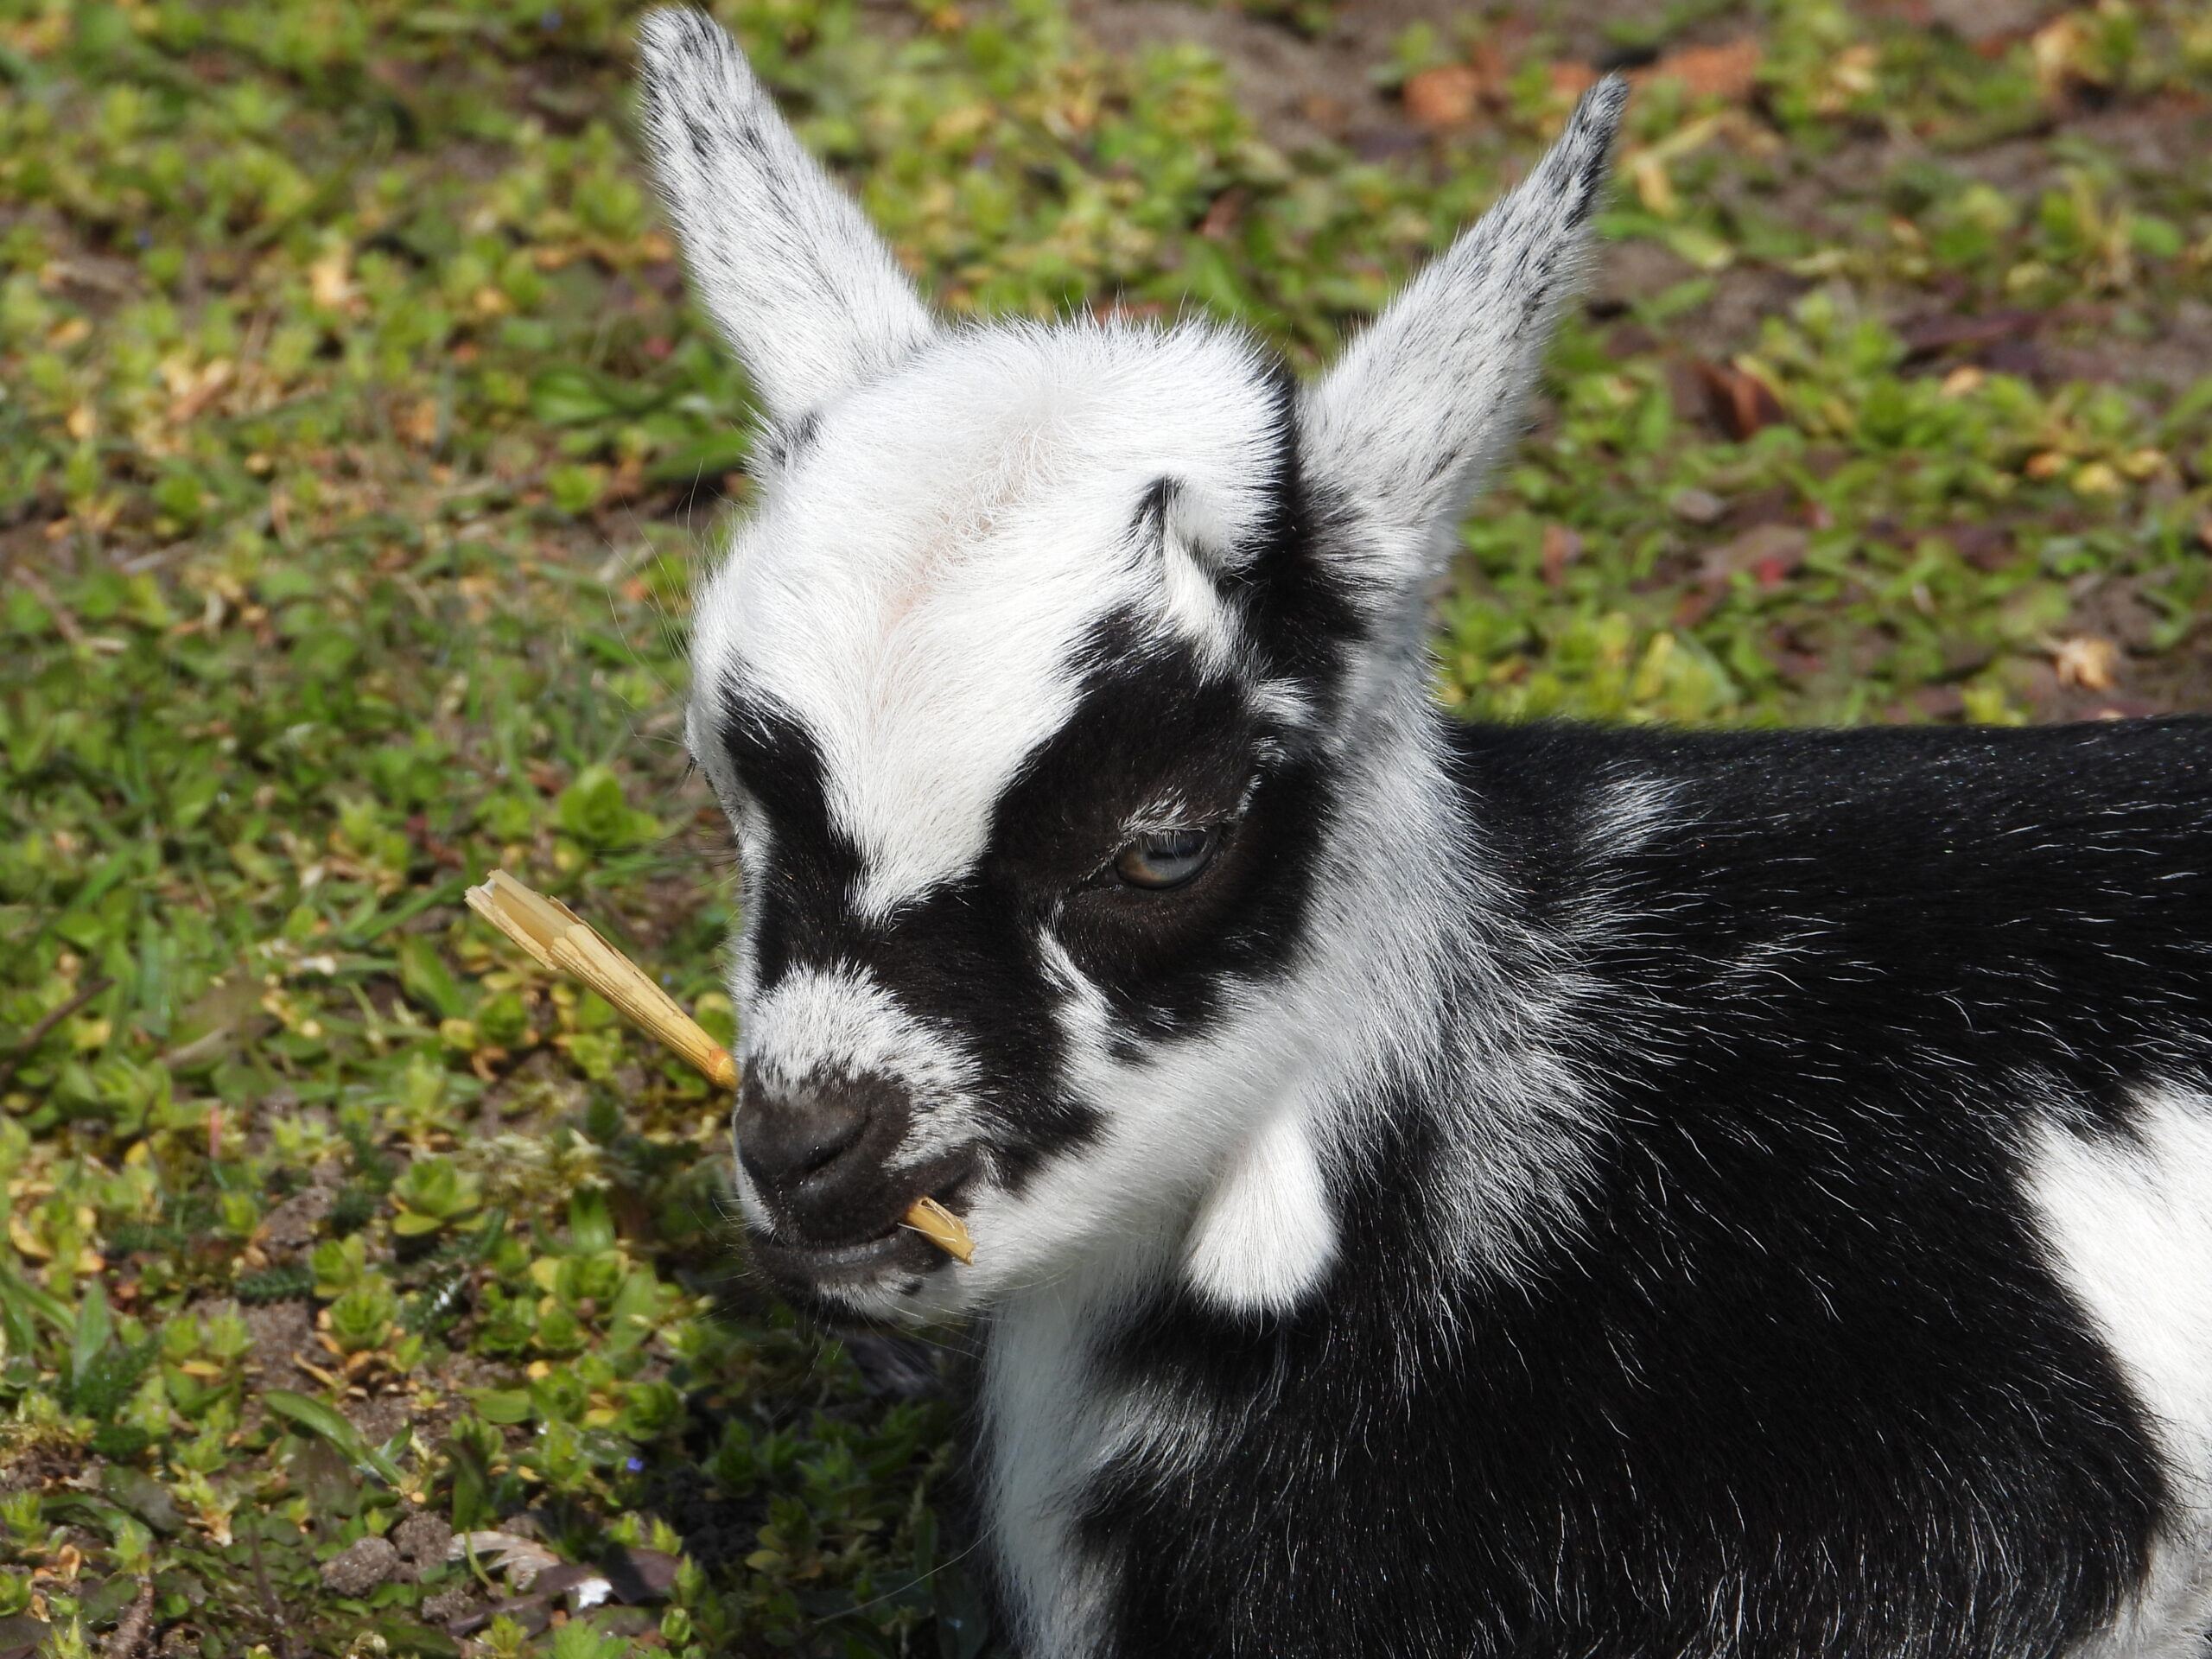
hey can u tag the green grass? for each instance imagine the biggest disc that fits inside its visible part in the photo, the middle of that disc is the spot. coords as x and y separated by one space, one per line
356 447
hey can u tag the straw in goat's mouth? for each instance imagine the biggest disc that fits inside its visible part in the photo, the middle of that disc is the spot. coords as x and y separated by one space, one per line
560 940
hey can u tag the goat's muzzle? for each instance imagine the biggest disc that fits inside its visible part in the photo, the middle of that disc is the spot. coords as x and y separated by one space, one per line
818 1154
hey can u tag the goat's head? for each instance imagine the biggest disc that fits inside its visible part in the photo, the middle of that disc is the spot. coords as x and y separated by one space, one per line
1029 684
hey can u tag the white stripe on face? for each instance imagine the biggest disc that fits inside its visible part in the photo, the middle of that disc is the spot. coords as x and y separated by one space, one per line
913 589
843 1023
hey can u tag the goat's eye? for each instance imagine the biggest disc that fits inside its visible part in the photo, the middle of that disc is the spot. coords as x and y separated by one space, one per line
1165 858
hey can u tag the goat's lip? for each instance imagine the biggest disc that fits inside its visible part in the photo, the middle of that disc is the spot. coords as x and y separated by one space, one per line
864 1262
897 1248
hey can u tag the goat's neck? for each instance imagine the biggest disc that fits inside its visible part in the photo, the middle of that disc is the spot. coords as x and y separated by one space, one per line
1425 1018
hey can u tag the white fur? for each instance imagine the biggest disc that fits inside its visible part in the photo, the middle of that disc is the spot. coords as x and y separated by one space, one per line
2129 1223
1046 1438
1265 1233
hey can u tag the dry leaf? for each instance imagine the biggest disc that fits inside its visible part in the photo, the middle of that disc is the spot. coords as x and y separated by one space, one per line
521 1559
1561 547
1444 97
418 423
2087 661
1729 71
1740 402
330 282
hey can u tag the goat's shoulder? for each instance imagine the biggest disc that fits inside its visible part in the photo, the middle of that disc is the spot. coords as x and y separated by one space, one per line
1957 842
1585 776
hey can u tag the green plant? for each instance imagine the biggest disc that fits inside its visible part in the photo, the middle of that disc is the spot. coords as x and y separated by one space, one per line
432 1194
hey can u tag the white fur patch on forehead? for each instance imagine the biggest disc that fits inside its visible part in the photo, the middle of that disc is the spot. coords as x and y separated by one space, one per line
942 541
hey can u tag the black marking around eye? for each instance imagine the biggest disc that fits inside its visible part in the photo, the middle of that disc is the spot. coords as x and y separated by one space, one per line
960 959
1153 724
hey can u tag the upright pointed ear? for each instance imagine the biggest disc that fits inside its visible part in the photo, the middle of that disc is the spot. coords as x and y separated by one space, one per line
783 259
1403 426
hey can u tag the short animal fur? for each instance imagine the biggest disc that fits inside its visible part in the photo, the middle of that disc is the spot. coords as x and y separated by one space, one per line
1437 1189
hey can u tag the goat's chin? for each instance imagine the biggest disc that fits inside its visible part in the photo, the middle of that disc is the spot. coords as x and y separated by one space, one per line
898 1295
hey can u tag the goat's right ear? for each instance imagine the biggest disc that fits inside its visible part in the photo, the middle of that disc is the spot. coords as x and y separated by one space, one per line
1402 429
784 262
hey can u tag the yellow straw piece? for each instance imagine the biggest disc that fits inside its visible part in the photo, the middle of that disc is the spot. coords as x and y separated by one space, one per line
942 1229
556 938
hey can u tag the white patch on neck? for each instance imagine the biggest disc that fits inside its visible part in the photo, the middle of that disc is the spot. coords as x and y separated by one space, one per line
2129 1223
1045 1441
1265 1233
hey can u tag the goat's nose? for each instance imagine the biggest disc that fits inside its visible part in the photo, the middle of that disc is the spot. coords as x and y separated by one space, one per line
785 1138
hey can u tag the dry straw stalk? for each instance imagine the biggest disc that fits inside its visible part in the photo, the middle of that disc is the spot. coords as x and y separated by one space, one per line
558 939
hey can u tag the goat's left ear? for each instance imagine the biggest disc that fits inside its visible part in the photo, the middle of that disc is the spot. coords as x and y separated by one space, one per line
1403 426
784 260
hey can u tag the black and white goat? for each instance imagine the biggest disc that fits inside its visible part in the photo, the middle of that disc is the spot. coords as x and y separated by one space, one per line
1437 1191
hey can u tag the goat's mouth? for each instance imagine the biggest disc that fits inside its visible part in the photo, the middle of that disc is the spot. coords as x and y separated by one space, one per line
860 1264
897 1250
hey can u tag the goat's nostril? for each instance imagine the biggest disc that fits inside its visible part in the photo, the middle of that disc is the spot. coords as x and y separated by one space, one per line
784 1141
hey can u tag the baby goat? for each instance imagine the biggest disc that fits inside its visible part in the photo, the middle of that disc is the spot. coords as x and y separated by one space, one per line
1437 1191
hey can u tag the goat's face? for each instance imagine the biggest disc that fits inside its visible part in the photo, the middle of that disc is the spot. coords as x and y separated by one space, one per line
1025 792
1030 685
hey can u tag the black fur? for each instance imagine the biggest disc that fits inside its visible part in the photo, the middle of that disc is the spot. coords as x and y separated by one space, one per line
1800 1380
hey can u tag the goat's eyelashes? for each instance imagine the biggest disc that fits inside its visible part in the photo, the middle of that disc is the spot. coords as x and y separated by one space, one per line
1161 860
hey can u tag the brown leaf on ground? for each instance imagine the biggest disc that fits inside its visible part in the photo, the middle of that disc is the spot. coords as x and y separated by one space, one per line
2087 661
1739 403
1926 336
1561 547
1222 215
1729 71
1444 97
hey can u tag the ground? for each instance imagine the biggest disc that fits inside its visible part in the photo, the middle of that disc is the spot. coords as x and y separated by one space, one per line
357 450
